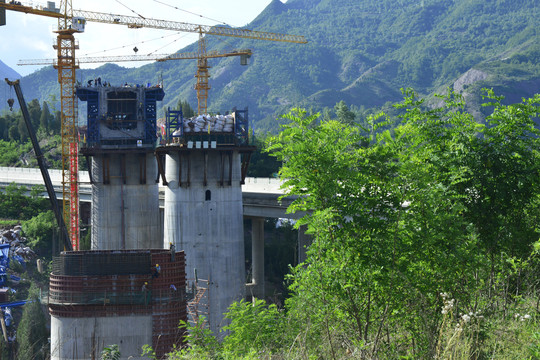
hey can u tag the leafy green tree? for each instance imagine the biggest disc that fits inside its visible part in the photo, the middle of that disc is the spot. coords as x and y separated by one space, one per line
111 352
32 333
4 128
254 327
13 201
187 110
22 130
45 118
326 114
343 113
504 174
56 123
9 153
14 134
34 110
261 163
39 231
389 213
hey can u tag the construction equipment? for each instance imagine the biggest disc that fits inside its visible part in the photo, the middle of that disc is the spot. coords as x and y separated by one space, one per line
72 21
150 57
202 75
42 166
65 46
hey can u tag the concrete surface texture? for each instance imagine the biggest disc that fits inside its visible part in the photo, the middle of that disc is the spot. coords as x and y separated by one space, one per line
125 216
84 338
206 222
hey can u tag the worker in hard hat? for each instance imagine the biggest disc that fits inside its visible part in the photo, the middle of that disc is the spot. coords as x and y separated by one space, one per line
157 270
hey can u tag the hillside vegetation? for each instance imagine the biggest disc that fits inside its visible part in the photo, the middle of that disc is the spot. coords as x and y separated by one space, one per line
424 240
359 51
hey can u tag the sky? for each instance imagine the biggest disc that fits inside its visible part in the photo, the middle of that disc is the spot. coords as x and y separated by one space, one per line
27 36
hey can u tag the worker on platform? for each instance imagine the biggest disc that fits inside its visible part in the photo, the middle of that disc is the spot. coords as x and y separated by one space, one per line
145 292
171 246
157 270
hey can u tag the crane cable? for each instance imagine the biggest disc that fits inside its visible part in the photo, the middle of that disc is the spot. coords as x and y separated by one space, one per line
130 9
161 37
201 16
175 40
140 42
192 13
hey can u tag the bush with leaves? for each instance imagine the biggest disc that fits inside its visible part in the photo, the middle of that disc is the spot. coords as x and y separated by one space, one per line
111 352
15 204
254 327
39 231
32 333
400 216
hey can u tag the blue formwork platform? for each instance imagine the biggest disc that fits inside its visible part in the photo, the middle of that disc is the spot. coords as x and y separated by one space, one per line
152 96
91 96
144 109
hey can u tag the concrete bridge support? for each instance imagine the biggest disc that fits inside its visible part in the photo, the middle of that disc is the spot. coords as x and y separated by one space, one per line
203 216
256 287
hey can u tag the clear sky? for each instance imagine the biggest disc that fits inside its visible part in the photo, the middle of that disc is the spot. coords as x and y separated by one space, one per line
31 36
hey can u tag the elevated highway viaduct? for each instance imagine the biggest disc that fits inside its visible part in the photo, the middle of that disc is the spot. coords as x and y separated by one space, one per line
260 200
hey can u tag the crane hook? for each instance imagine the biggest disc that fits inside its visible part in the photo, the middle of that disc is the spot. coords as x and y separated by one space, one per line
11 101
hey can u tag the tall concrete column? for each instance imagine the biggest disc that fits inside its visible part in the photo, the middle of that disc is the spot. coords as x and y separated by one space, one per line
204 218
304 241
257 256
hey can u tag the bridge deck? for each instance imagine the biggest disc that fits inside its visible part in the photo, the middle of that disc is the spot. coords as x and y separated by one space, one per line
260 195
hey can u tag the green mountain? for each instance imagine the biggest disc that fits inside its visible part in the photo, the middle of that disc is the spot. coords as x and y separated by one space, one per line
7 72
359 51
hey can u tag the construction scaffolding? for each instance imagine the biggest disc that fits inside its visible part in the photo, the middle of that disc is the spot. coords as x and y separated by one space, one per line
126 283
198 304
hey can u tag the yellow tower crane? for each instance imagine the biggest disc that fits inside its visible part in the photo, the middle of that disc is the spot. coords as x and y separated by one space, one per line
72 21
202 86
65 47
150 57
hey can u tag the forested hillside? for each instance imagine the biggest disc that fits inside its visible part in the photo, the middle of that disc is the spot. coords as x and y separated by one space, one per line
359 51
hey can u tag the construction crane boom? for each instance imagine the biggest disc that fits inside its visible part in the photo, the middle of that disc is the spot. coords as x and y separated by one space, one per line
42 166
139 22
150 57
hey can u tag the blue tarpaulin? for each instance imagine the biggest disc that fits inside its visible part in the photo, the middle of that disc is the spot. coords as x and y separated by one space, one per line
4 255
20 260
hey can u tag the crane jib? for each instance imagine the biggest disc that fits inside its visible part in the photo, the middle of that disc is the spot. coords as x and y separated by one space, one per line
138 22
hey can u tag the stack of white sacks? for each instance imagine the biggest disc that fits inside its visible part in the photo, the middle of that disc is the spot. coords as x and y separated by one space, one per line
209 123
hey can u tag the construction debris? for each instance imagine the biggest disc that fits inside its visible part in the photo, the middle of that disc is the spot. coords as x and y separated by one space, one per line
18 249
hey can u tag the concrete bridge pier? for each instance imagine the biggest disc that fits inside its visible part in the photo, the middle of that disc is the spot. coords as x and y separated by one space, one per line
256 287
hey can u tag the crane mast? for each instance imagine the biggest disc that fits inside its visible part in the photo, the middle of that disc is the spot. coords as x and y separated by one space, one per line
202 86
65 47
